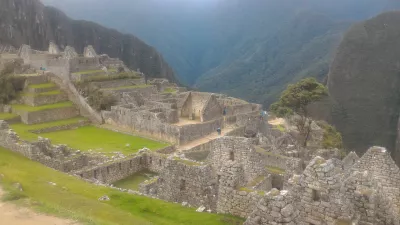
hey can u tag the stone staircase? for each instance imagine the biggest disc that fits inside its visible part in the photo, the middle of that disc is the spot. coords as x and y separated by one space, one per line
41 101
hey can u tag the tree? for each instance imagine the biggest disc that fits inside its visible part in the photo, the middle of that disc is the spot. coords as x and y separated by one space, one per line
7 89
295 99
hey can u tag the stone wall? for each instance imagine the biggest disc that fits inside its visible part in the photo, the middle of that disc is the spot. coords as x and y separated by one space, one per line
212 110
73 95
118 83
58 157
38 100
83 64
46 115
192 132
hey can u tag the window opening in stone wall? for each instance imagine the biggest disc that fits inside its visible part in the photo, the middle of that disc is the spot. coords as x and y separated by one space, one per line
182 185
81 175
316 195
151 160
159 161
108 170
219 178
95 174
140 161
354 160
120 166
232 156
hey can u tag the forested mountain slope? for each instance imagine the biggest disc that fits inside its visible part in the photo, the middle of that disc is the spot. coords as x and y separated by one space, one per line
364 83
30 22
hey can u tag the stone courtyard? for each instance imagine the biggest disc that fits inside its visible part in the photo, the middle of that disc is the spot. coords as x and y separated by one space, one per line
251 169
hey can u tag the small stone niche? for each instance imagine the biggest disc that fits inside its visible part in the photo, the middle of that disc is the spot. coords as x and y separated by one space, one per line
316 195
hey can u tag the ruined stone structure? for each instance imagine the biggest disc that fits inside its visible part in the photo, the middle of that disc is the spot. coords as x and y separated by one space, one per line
250 169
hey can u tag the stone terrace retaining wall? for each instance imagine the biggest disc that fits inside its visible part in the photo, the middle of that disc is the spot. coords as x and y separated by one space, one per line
47 115
57 157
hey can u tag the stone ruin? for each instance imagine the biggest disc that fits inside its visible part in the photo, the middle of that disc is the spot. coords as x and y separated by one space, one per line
250 170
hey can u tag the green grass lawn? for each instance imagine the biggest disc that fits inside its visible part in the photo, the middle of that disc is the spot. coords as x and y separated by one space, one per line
57 92
23 129
126 87
170 90
132 182
7 116
28 108
44 85
78 200
101 140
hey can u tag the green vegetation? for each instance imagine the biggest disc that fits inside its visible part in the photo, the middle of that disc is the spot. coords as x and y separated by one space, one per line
126 87
331 138
275 170
105 77
170 90
280 127
93 71
8 90
40 86
23 130
27 108
100 100
102 140
246 189
295 99
78 200
7 116
132 182
57 92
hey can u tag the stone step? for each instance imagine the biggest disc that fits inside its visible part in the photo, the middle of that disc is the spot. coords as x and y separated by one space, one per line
10 118
88 75
40 88
44 98
45 113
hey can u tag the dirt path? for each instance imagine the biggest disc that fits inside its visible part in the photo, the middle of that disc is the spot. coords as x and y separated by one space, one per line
10 214
277 121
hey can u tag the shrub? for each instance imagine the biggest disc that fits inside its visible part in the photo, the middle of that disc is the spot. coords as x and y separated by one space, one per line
7 88
331 138
100 100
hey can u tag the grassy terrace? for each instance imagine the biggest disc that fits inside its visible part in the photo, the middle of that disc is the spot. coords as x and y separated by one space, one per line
7 116
102 140
57 92
170 90
275 170
23 129
27 108
93 71
78 200
45 85
132 182
126 87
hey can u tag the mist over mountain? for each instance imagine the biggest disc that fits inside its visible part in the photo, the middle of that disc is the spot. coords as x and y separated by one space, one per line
249 49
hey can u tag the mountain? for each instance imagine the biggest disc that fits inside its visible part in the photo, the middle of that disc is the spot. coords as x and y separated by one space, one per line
250 49
364 84
302 47
30 22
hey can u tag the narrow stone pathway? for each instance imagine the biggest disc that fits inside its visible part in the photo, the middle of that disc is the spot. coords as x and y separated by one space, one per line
11 214
205 139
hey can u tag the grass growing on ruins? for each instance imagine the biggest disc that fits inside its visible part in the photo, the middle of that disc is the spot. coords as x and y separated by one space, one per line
23 130
93 71
275 170
132 182
7 116
57 92
45 85
126 87
78 200
102 140
170 90
27 108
